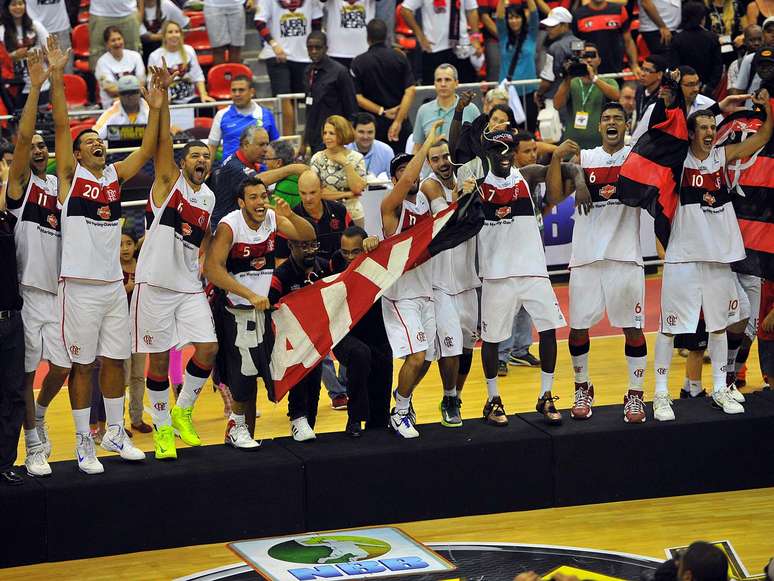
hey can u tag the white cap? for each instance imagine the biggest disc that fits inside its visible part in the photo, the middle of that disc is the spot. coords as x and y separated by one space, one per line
557 16
769 20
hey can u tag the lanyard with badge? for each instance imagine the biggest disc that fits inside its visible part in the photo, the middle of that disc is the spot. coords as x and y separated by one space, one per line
582 116
312 78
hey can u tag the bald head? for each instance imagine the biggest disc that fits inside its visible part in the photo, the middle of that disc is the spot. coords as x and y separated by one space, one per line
310 190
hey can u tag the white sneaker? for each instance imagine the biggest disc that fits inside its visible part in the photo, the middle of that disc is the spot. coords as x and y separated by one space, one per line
300 430
36 462
735 394
401 423
725 401
239 436
116 440
662 407
87 455
42 430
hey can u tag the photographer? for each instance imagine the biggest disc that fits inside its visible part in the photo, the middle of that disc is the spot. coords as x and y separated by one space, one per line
584 93
699 562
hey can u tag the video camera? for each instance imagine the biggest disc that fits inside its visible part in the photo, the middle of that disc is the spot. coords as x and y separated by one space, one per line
575 66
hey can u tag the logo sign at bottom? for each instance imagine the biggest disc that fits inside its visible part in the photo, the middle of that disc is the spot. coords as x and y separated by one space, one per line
353 554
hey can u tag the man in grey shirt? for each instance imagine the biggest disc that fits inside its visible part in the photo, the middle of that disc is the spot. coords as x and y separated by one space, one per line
747 80
558 25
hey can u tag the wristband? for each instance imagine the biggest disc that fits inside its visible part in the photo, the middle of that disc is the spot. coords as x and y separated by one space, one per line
477 36
381 111
595 78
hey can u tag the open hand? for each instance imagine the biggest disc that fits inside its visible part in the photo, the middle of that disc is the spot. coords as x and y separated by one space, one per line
393 134
435 132
57 59
37 68
464 101
281 208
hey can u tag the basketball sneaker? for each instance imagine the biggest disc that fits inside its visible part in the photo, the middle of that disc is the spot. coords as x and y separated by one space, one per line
526 360
238 436
339 401
494 412
502 369
662 407
726 402
634 407
183 424
116 440
545 405
584 399
450 412
164 443
685 394
301 430
36 463
735 394
411 412
42 429
86 453
401 424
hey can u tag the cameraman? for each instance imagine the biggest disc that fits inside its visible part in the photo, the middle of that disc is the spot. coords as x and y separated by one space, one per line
584 93
700 562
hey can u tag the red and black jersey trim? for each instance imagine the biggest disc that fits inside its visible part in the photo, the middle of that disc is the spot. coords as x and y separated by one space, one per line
41 209
92 200
611 17
650 175
602 182
251 257
190 222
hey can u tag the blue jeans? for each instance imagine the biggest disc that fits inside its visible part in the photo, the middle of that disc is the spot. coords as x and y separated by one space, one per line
336 385
521 337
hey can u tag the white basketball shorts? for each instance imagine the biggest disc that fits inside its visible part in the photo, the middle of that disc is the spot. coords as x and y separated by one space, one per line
42 329
607 285
410 326
456 321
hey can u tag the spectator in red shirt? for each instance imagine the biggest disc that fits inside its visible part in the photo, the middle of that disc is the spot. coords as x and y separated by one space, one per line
606 25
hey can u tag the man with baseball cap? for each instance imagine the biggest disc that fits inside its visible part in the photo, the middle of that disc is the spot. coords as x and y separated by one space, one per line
129 109
748 80
560 36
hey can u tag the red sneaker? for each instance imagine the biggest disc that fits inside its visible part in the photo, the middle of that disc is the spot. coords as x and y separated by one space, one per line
339 402
584 398
634 407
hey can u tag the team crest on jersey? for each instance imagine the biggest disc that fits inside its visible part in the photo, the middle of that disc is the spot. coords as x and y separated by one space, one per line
75 350
607 191
503 211
186 229
52 221
709 199
104 212
112 194
148 339
671 320
258 263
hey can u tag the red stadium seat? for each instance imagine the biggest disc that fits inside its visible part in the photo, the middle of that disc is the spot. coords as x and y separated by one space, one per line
76 129
76 91
642 48
200 42
196 19
203 122
219 79
80 40
83 17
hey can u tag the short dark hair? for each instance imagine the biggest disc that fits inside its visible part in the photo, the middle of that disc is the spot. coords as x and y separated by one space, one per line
110 30
190 145
691 121
319 35
399 161
693 14
686 70
613 105
438 143
591 45
520 138
363 118
6 147
247 183
353 231
248 80
706 562
376 31
129 234
77 140
659 62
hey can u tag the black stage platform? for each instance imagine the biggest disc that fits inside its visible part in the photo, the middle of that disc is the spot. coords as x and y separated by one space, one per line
216 494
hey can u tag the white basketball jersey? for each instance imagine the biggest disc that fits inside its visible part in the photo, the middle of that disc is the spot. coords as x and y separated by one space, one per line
417 282
454 270
169 257
509 244
38 234
705 228
251 258
611 231
91 227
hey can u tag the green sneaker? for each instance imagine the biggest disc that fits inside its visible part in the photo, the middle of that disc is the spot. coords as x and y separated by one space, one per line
164 441
181 421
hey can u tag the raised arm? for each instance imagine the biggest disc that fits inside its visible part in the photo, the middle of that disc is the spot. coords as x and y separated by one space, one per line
456 125
753 143
63 140
155 97
164 162
272 176
19 173
291 225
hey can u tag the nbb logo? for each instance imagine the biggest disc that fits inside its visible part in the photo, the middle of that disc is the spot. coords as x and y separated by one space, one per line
401 564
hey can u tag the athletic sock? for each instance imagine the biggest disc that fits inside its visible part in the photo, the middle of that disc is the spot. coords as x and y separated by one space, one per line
491 388
687 385
546 382
402 403
40 412
114 411
694 385
450 392
734 343
636 353
239 419
195 377
31 438
579 354
662 361
158 394
717 346
81 419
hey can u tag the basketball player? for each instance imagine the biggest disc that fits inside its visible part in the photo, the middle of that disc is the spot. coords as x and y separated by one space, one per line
606 269
512 265
407 305
32 198
168 307
91 297
704 241
240 262
454 291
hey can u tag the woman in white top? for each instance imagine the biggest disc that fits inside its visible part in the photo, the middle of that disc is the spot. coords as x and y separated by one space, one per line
117 62
20 33
180 58
342 171
156 13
